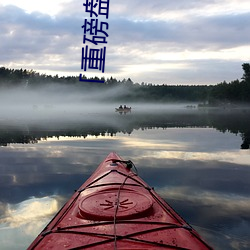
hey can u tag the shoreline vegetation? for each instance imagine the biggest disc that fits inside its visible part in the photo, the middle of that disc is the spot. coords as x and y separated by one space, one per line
38 128
223 95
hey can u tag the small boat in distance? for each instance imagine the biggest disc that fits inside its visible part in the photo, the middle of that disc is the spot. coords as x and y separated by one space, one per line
116 209
124 109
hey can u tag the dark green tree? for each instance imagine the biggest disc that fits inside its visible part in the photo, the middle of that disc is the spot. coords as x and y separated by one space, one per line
246 69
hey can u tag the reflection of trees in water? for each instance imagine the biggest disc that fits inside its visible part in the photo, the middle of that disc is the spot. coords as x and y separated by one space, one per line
222 120
246 141
8 137
236 123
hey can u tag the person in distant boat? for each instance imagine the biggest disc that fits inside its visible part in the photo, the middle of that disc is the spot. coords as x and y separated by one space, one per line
125 106
120 107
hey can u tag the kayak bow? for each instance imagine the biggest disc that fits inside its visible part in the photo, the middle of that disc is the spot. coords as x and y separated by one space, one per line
116 209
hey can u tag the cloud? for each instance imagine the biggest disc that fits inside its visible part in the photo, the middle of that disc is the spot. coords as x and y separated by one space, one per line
150 41
36 39
176 10
218 32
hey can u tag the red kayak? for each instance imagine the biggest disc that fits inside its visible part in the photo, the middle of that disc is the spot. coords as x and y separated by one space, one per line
116 209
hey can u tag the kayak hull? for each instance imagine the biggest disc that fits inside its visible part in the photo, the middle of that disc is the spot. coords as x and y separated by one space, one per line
116 209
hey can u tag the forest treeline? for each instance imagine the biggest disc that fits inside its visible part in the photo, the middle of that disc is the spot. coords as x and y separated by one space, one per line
236 91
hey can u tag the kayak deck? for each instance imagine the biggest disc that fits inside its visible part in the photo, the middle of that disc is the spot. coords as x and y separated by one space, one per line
116 209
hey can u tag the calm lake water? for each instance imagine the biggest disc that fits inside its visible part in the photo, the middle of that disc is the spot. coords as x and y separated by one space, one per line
197 160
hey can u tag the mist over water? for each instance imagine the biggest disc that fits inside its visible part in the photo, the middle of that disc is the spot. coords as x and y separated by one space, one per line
59 109
59 102
49 102
191 156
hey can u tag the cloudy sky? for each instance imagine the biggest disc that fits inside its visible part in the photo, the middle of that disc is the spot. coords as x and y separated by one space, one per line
160 41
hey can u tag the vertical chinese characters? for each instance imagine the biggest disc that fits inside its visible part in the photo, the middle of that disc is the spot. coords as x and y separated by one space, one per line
95 33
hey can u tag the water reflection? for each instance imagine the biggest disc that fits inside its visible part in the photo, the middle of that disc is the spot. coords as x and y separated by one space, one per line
110 123
20 222
31 210
195 166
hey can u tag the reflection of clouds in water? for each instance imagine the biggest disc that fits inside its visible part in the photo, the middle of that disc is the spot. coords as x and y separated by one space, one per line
149 145
29 212
22 222
228 203
227 239
226 216
198 168
208 187
188 143
44 158
177 140
236 157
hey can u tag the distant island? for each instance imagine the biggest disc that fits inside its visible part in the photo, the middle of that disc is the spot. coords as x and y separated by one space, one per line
231 94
